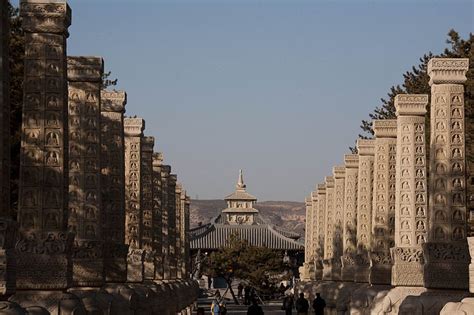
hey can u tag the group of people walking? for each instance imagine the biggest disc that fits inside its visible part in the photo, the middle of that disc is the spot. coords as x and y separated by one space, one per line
301 305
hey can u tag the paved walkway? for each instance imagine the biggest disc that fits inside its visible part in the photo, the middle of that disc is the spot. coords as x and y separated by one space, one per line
270 308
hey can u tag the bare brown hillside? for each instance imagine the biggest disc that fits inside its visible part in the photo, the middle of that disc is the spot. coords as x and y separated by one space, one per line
287 214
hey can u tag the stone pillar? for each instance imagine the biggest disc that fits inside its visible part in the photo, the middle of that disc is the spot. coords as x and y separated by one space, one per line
331 267
165 173
85 206
411 221
44 247
349 239
133 128
187 255
339 173
308 254
8 228
172 219
181 194
447 204
113 185
364 209
147 206
321 229
314 236
383 209
178 192
157 216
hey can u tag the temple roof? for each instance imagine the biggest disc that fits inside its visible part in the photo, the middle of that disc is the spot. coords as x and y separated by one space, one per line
240 192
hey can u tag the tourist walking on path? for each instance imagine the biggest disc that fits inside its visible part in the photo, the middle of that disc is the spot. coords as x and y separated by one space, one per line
288 304
247 295
240 288
318 305
302 305
255 309
215 308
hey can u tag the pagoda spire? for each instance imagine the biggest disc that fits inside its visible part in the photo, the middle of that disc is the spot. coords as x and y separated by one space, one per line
240 182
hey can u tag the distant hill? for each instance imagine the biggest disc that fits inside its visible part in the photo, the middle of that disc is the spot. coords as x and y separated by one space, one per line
286 214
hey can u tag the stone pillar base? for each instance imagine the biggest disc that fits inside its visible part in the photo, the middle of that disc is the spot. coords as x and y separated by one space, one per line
115 262
331 270
98 301
44 263
135 267
8 234
380 271
407 269
347 268
466 306
87 263
127 298
362 265
55 302
318 270
149 265
446 265
415 300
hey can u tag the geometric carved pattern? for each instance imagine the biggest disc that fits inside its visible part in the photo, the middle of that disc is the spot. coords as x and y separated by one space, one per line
411 224
85 206
172 222
147 205
446 252
165 173
157 215
383 210
349 241
308 230
43 199
364 208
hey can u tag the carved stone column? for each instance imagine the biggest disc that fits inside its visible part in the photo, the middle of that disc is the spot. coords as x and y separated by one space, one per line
308 255
383 209
411 221
364 209
180 203
165 173
8 228
339 173
447 205
349 241
321 229
187 256
147 206
314 235
172 219
44 248
113 184
157 216
85 206
133 128
331 264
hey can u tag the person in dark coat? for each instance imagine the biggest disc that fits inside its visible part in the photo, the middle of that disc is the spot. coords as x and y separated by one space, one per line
288 304
319 304
247 295
302 305
255 309
240 288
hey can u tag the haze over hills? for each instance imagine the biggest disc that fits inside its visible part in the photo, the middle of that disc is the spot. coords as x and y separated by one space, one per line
289 215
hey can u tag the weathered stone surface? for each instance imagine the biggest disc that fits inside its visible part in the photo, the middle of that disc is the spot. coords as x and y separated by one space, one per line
383 209
147 206
85 206
44 248
411 223
349 240
364 209
133 128
470 241
447 204
321 192
308 254
165 173
173 260
331 262
113 184
157 215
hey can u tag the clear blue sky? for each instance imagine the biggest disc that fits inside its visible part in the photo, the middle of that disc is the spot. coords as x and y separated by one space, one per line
277 88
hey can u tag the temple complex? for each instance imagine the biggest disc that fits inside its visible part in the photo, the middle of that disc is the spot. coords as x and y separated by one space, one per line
241 218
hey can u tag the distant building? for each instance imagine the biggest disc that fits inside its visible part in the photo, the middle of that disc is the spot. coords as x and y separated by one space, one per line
241 218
